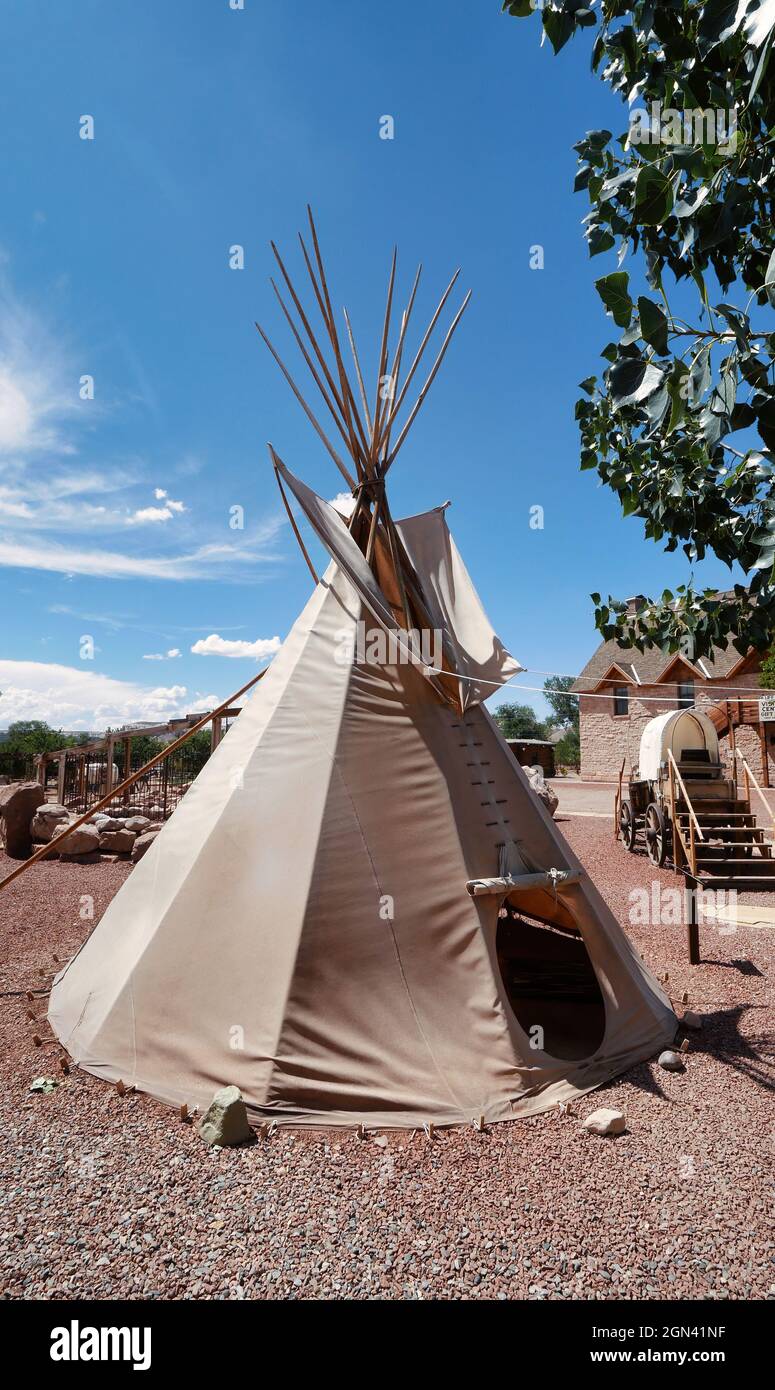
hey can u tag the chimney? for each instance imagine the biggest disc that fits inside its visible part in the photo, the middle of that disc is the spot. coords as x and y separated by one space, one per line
634 603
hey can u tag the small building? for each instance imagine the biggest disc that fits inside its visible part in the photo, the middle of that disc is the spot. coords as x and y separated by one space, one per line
621 689
534 751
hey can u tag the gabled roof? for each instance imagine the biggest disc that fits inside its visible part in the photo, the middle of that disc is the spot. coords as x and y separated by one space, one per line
651 665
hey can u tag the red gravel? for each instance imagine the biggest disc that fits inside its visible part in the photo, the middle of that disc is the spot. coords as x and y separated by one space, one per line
110 1198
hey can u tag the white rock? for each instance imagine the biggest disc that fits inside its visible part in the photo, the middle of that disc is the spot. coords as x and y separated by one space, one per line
226 1120
48 821
690 1019
143 843
84 840
670 1061
606 1122
117 841
535 777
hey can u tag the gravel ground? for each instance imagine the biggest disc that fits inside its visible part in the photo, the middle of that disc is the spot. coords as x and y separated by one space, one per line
105 1197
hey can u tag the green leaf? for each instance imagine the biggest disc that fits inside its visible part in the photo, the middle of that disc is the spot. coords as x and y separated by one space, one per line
632 380
559 27
699 375
614 292
677 388
717 22
653 196
653 325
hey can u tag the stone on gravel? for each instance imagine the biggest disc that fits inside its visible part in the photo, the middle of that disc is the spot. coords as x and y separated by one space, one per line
139 824
606 1122
535 777
670 1061
84 840
226 1121
106 822
141 844
48 821
691 1020
117 841
18 804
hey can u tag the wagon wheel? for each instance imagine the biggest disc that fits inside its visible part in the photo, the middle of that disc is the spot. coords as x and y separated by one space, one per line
627 830
656 835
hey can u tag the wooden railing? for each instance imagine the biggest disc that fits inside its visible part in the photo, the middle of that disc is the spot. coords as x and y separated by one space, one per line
750 777
695 829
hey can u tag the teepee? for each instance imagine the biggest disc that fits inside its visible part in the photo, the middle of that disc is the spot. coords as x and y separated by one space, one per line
360 913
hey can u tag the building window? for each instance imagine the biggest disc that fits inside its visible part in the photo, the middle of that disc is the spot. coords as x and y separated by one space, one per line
621 699
685 694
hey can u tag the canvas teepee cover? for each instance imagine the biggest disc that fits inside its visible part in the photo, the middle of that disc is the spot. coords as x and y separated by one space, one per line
318 923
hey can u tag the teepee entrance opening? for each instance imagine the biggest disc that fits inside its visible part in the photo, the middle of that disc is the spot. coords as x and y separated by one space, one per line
551 986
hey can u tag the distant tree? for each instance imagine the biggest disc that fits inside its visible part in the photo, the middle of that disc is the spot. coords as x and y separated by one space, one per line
519 721
767 673
24 739
568 751
565 707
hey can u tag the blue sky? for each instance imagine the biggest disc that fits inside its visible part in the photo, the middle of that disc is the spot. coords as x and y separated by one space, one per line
214 127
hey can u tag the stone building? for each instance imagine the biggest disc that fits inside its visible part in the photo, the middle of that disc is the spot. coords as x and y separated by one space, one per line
621 689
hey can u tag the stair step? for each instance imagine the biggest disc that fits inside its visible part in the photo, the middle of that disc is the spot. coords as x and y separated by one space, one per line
732 868
741 885
718 815
731 835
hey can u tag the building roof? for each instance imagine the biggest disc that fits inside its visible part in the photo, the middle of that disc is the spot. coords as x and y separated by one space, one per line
651 665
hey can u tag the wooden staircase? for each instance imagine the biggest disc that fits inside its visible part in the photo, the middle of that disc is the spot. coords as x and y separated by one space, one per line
718 842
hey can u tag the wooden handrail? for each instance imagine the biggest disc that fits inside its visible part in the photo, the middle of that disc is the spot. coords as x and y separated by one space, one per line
679 778
128 782
750 773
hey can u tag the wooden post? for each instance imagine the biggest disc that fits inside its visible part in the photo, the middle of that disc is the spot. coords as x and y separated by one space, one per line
109 765
42 770
692 847
62 761
215 734
127 742
692 926
765 759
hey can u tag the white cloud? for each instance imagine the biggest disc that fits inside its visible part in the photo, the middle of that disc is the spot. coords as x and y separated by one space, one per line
153 514
208 561
37 392
68 697
343 502
149 514
224 646
162 656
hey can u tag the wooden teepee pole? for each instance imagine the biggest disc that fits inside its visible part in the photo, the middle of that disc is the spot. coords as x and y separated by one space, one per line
428 383
379 399
297 393
421 349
